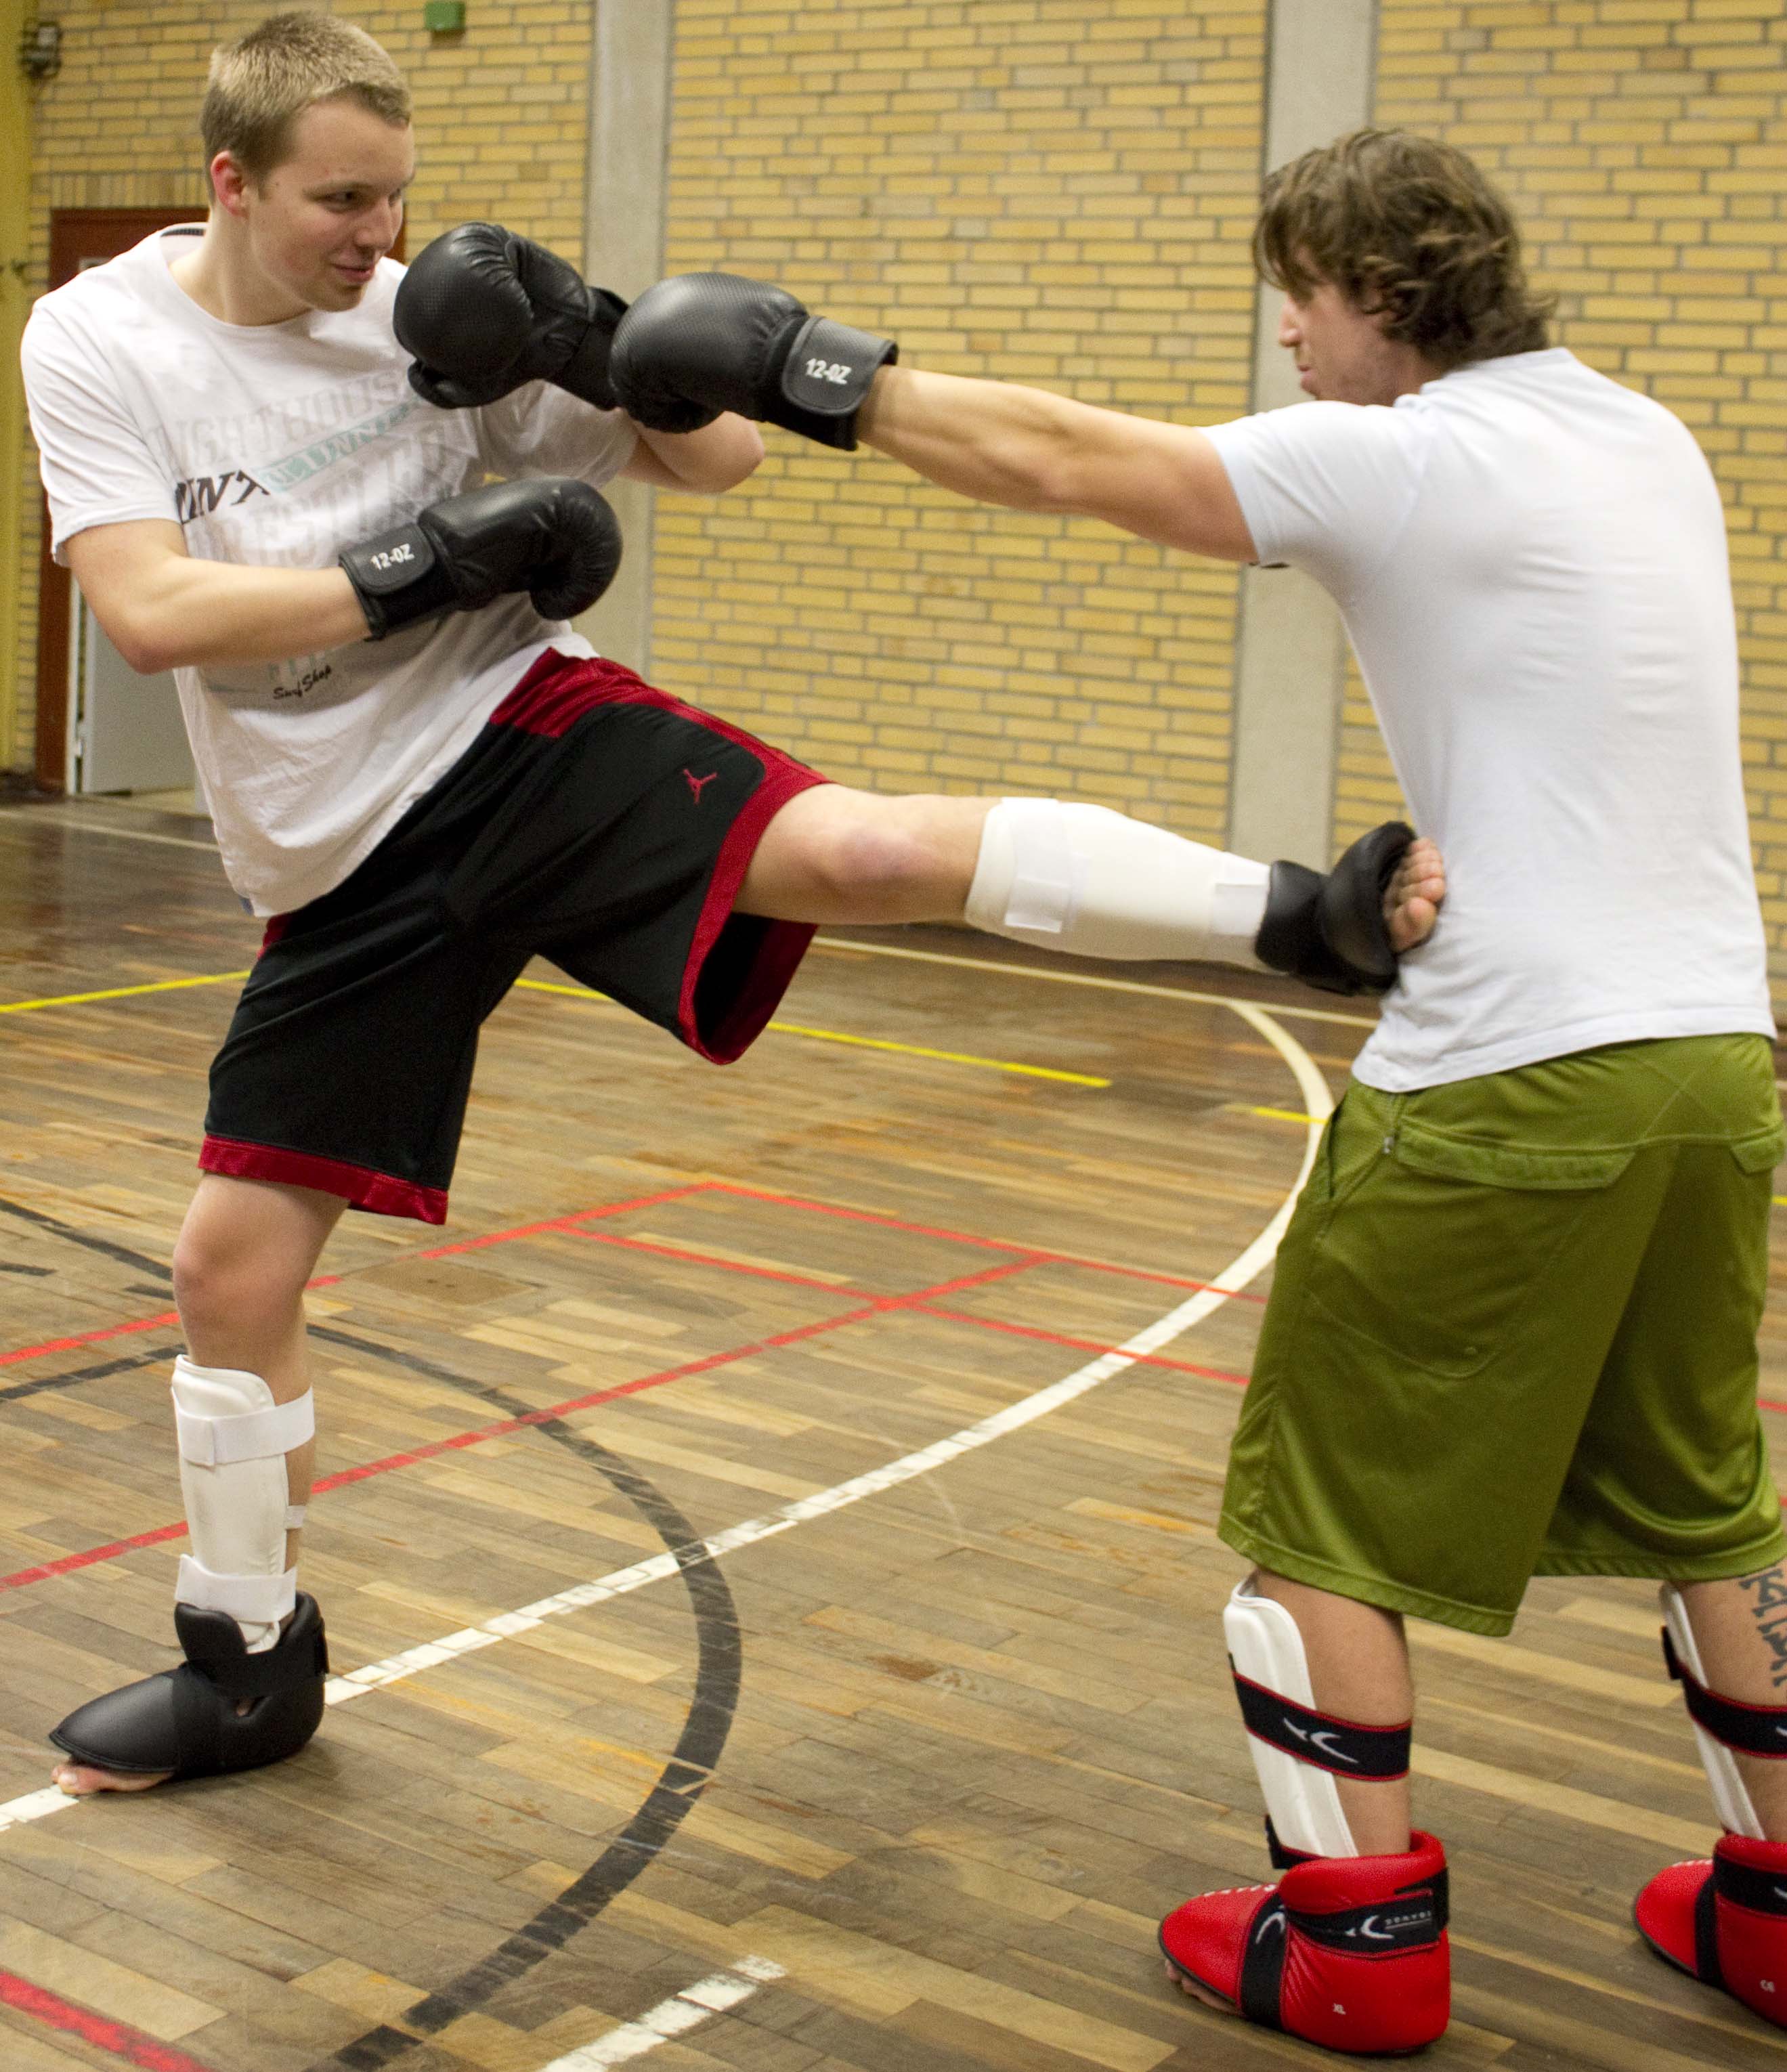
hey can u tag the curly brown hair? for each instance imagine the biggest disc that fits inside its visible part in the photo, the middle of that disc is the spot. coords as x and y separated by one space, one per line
1409 229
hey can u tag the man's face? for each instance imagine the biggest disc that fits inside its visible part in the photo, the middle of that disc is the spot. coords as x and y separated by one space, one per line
321 220
1341 353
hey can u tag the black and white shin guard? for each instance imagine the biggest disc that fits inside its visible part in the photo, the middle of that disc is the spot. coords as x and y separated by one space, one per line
1298 1751
1720 1724
251 1689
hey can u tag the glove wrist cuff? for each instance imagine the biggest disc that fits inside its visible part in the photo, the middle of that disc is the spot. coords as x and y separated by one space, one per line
826 373
399 580
585 373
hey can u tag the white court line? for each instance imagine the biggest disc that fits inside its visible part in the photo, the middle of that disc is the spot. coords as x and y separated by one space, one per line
51 819
621 1582
716 1994
1054 977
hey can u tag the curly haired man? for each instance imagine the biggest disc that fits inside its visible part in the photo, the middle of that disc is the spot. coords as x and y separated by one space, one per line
1513 1326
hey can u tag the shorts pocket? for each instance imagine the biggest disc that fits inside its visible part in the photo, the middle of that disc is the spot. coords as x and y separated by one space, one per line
1452 1246
1762 1153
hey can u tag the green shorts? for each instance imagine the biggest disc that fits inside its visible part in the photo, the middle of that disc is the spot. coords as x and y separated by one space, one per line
1513 1332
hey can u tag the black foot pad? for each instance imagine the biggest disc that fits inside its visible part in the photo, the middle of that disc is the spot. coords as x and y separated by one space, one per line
184 1721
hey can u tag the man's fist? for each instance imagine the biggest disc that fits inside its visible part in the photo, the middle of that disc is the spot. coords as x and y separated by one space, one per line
705 343
554 537
484 311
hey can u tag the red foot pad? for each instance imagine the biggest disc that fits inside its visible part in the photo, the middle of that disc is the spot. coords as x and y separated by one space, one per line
1348 1951
1725 1922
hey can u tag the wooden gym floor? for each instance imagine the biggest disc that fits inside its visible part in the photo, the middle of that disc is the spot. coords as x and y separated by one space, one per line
765 1538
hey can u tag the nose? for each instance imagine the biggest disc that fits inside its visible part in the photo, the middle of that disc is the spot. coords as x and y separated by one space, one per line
380 225
1290 331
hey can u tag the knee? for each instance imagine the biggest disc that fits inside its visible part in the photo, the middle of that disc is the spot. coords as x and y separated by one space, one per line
875 860
223 1278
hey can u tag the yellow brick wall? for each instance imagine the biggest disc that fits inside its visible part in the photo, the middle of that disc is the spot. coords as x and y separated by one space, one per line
1644 143
1054 190
500 116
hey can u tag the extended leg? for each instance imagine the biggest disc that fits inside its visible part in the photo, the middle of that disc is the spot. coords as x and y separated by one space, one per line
242 1407
1076 878
1349 1949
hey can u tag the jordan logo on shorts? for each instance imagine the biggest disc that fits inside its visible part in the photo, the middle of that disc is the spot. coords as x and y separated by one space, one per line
695 782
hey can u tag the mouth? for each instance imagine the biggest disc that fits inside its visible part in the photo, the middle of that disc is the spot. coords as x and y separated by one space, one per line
355 276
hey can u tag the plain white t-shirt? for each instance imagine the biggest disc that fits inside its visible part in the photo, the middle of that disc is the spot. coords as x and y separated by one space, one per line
278 445
1530 561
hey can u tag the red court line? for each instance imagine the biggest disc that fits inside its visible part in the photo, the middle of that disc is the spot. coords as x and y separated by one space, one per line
66 1563
333 1279
132 2044
710 1259
1040 1253
1083 1345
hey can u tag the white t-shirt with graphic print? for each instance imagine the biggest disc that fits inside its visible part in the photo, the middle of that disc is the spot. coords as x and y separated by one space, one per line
1530 561
277 445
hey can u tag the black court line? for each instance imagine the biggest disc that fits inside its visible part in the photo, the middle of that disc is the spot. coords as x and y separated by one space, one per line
161 1270
123 1365
719 1669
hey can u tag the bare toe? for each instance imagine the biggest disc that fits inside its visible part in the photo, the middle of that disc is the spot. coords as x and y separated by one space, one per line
80 1780
1411 923
1201 1994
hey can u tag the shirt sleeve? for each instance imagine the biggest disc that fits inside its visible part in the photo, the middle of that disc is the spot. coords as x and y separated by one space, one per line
96 467
1326 487
539 429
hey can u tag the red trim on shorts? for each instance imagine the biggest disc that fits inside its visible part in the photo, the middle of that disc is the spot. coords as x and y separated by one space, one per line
784 943
361 1188
555 693
559 689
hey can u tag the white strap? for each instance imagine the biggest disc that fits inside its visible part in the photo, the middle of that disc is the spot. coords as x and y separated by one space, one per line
265 1598
1048 876
294 1518
219 1442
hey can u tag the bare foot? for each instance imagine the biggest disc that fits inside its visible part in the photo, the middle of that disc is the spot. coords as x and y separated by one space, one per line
1411 903
78 1780
1194 1991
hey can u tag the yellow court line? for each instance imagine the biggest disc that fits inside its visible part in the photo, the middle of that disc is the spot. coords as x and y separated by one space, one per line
119 991
1281 1114
865 1042
586 992
948 1057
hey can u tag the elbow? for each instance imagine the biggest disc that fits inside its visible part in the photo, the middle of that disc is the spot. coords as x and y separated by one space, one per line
147 647
735 462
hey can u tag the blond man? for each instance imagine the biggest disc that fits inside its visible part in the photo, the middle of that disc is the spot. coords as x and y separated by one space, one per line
422 778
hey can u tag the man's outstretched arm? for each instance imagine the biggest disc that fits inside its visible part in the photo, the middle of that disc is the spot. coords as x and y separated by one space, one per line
702 343
1002 443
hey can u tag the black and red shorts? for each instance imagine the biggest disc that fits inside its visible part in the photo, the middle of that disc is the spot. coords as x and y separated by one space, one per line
596 822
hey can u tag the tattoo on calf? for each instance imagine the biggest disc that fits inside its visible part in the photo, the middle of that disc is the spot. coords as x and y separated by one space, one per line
1767 1594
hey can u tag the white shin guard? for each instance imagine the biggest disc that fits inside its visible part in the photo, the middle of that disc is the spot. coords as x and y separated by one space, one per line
233 1438
1730 1794
1091 882
1266 1652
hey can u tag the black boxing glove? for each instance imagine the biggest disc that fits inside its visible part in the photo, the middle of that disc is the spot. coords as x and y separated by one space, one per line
1330 932
553 536
484 310
705 343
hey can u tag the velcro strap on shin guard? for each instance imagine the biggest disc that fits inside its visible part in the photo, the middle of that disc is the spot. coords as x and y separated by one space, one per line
1414 1917
1340 1746
264 1599
1754 1729
220 1442
1762 1892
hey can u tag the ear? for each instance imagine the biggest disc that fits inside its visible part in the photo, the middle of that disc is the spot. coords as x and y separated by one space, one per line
229 183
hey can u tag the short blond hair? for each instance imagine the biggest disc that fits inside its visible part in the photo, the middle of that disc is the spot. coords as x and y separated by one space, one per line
260 83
